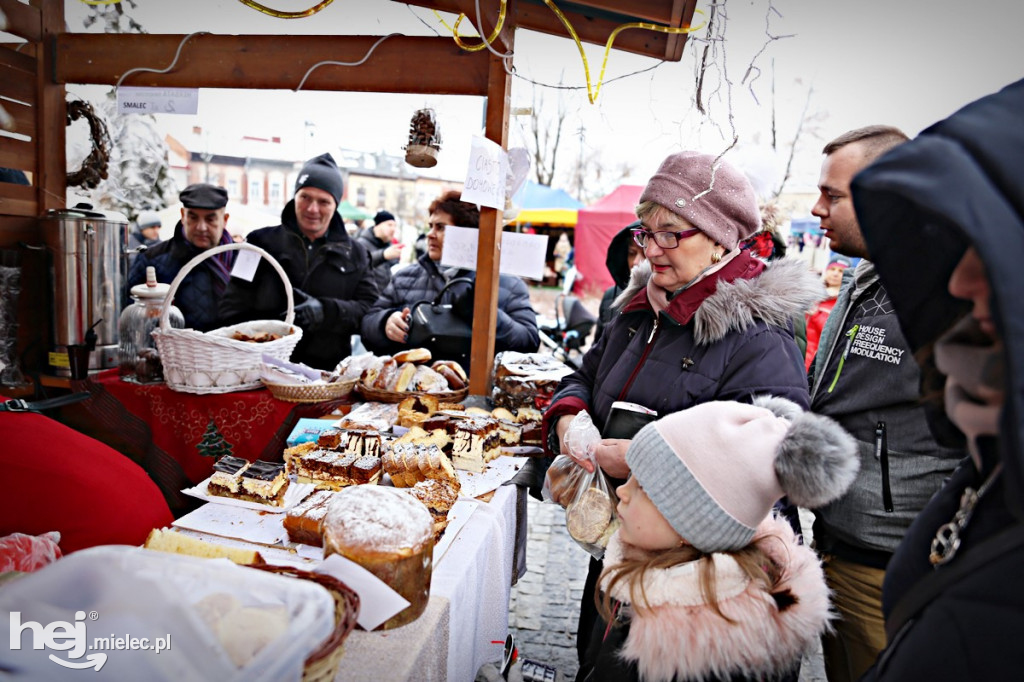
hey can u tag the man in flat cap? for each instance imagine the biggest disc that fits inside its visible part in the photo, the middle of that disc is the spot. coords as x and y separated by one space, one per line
202 226
379 241
330 272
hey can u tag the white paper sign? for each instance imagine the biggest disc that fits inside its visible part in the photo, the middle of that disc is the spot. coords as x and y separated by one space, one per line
485 177
522 255
157 100
459 250
377 601
245 265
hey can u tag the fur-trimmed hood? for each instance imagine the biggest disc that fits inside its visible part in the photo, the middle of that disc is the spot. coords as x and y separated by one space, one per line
681 636
785 289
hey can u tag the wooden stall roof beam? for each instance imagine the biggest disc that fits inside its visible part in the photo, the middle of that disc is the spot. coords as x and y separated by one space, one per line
594 20
400 64
488 253
22 20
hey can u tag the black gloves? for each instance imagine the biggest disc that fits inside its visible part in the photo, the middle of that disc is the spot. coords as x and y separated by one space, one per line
309 311
462 304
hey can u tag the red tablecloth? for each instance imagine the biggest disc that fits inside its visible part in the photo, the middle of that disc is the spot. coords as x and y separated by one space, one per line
164 427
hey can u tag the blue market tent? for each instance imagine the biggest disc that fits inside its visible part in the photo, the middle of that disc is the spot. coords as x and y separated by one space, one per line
543 205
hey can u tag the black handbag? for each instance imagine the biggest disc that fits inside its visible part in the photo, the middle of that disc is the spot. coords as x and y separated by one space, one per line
433 325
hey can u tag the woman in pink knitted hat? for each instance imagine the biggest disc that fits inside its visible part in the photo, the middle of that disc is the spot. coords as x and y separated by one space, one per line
701 319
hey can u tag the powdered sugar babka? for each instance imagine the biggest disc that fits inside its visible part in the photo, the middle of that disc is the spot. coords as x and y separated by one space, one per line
390 534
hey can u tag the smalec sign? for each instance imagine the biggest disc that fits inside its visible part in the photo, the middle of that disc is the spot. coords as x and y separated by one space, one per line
485 176
157 100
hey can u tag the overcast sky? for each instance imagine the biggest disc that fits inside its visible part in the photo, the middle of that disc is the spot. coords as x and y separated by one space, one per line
907 63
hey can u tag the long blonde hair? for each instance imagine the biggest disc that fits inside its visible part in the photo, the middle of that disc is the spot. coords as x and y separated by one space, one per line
753 560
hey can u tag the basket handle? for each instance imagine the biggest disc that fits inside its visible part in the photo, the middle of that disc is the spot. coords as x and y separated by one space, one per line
240 246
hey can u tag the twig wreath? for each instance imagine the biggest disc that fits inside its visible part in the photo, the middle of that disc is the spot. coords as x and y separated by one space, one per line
94 168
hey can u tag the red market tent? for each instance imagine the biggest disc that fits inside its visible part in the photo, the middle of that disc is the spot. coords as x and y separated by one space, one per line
595 226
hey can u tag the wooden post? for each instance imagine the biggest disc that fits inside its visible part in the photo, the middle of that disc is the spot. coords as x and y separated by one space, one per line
51 112
488 255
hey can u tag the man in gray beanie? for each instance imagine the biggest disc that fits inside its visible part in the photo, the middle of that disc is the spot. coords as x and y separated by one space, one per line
330 272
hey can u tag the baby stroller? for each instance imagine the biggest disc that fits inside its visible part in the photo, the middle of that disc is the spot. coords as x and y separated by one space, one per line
573 323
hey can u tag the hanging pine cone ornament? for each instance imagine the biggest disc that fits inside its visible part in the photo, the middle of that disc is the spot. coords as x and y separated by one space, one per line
424 140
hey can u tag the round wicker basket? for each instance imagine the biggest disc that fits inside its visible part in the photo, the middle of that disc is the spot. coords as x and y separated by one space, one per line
322 664
383 396
310 393
214 362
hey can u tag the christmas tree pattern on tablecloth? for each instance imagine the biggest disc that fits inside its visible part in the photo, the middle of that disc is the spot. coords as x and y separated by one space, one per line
213 443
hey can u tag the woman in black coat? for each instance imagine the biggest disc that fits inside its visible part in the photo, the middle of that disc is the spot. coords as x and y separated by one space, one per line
945 213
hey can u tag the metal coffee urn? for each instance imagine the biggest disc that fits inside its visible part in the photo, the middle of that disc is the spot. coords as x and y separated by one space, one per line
87 281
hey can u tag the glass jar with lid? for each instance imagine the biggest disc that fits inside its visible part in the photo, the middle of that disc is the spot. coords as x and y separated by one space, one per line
138 360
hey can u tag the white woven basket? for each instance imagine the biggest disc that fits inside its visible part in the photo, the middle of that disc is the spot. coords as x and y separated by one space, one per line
213 362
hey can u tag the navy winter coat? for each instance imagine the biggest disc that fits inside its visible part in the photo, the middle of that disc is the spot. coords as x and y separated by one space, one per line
198 294
737 345
958 184
516 327
334 269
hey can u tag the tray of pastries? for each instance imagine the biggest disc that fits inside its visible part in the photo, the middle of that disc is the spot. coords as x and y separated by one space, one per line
411 372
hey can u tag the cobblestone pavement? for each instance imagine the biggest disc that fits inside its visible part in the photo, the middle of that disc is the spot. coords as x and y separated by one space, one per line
544 604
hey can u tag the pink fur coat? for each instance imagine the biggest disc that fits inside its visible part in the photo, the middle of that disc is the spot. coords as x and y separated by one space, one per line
681 635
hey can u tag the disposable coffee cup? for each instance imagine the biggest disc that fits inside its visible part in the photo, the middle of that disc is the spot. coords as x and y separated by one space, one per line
78 360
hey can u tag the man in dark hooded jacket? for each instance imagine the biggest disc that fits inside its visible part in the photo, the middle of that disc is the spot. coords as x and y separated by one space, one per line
329 271
378 242
952 598
623 254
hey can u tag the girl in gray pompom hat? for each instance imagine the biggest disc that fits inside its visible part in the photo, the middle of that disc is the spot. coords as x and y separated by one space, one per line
702 581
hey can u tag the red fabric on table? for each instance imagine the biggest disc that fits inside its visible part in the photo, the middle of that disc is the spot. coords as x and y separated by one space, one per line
166 426
59 479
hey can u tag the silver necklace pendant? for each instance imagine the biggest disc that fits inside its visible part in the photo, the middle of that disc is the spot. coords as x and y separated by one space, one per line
947 538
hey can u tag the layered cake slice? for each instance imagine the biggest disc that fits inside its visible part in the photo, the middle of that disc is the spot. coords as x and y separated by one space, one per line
363 442
325 468
304 522
226 480
475 442
331 439
366 469
264 482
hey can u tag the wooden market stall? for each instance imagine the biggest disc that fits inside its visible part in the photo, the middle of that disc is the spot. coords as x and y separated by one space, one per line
34 75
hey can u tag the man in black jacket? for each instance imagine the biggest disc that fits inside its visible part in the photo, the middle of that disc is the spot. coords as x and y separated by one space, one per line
378 242
329 271
203 224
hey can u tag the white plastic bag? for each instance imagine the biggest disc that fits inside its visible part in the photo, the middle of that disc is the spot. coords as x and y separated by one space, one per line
209 614
588 497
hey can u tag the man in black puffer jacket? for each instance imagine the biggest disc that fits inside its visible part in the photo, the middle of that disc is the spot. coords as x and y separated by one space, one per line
386 326
329 271
202 226
378 242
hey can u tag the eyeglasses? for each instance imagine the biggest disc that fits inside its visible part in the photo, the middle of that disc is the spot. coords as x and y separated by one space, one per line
666 240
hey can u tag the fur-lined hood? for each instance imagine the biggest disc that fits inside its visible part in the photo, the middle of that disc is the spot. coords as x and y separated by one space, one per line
681 636
785 289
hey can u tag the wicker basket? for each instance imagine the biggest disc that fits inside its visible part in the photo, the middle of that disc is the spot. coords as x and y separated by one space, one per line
213 362
310 393
384 396
322 664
